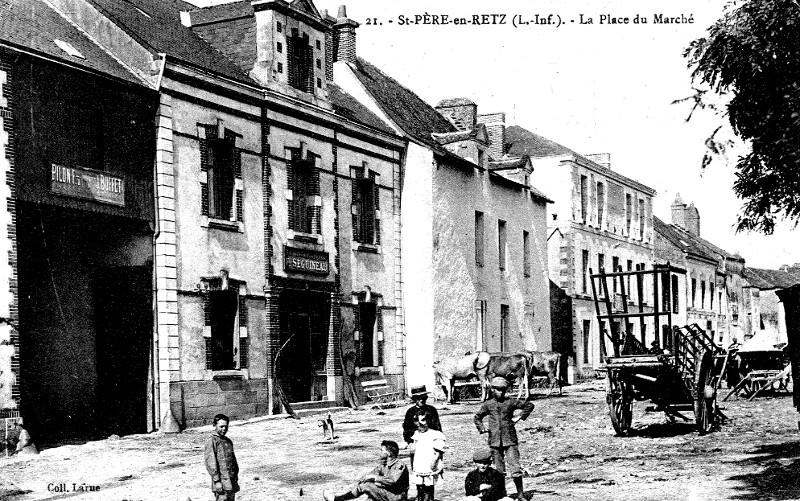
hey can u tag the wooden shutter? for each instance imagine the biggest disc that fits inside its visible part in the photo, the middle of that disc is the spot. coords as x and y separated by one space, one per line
206 159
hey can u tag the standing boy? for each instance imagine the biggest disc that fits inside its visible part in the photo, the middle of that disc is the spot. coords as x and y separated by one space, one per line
221 461
386 482
502 432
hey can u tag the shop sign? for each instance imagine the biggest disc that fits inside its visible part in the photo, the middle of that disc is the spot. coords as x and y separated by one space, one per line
90 184
305 261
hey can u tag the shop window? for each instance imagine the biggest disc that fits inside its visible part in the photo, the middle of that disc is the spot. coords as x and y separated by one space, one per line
305 211
220 160
365 206
300 62
225 331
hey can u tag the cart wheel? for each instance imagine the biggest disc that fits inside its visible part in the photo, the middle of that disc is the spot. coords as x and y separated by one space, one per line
704 393
619 396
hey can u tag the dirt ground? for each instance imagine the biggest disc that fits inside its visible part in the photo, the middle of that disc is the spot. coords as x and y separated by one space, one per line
569 451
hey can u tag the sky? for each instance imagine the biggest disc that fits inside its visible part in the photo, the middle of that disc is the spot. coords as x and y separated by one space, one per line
595 88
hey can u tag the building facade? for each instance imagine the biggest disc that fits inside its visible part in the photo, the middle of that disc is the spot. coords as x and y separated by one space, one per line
600 220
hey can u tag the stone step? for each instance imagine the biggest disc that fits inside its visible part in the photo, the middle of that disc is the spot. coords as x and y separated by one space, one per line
321 413
313 404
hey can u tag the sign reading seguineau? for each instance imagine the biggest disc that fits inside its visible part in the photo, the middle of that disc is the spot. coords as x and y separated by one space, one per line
305 261
87 183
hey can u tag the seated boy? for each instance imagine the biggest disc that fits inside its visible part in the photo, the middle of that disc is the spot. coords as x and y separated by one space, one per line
386 482
484 483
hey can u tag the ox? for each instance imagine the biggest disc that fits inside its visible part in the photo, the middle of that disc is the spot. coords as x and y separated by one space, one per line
510 366
465 368
545 364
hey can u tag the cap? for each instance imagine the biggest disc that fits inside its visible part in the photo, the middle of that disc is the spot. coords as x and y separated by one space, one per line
482 456
500 383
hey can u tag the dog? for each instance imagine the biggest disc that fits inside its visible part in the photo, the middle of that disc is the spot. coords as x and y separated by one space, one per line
327 427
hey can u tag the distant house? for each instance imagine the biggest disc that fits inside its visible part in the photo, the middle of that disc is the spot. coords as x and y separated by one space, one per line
474 260
767 311
600 220
713 289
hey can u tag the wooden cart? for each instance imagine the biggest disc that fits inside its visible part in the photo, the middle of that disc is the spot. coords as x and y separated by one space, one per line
677 374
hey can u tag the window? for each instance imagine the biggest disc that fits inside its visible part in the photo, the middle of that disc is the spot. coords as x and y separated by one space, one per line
614 269
711 295
641 219
301 178
319 64
221 199
479 231
585 270
319 45
629 267
601 263
526 251
628 213
300 62
675 307
366 225
584 197
279 27
225 332
694 290
702 293
504 327
480 323
601 203
75 133
587 324
280 47
501 243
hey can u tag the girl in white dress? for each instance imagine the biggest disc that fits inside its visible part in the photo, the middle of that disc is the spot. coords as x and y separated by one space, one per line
427 465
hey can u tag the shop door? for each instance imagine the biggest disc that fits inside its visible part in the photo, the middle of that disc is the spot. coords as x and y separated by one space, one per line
124 327
294 361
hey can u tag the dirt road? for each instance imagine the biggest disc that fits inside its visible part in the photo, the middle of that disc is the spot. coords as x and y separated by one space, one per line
569 451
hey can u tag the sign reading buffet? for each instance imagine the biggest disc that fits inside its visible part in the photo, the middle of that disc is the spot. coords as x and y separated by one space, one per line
87 183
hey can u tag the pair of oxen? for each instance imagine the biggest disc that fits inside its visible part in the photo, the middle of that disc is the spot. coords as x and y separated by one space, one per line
482 366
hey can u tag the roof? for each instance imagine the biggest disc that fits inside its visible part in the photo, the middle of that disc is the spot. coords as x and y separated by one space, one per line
458 101
413 115
520 141
156 25
347 106
772 279
509 163
692 244
33 25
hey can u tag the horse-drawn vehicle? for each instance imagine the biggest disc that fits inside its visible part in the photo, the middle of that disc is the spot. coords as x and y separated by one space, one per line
677 374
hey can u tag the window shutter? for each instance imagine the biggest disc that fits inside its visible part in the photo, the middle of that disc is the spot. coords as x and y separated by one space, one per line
379 328
376 199
357 325
209 353
242 311
237 163
205 162
239 205
368 213
244 355
356 210
308 66
290 60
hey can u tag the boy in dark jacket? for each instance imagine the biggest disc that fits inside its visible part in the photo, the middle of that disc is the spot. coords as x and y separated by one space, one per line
484 483
386 482
221 461
502 433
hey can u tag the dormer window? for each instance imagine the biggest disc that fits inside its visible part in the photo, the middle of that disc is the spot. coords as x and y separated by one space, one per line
319 45
300 62
279 27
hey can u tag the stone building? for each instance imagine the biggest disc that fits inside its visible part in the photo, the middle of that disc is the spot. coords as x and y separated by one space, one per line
473 228
714 283
600 220
766 310
269 224
78 228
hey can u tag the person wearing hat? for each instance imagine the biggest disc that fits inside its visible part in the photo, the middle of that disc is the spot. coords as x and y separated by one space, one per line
386 482
502 432
419 395
484 483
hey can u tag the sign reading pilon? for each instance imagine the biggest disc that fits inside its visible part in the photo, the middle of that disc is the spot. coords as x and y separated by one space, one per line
305 261
87 183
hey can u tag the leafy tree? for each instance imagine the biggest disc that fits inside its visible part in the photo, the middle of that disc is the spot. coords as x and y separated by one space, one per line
751 56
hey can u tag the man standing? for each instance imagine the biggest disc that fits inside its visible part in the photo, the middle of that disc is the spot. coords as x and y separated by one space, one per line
502 432
419 396
386 482
221 461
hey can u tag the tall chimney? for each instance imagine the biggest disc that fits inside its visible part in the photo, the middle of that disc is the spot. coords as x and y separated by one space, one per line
462 112
330 44
496 129
345 36
693 220
679 212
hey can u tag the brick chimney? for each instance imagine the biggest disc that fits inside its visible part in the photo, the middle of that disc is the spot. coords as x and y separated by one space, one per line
344 37
462 112
679 212
692 220
496 128
330 44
